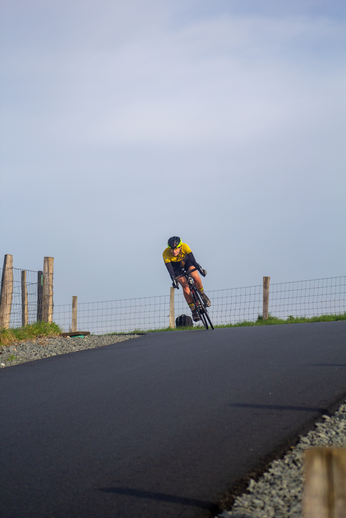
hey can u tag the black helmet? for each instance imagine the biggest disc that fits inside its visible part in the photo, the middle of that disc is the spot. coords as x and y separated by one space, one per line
174 242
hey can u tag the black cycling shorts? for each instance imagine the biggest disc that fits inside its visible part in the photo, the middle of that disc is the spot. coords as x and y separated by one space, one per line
180 267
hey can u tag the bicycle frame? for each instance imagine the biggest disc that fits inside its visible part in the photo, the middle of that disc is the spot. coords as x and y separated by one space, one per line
201 309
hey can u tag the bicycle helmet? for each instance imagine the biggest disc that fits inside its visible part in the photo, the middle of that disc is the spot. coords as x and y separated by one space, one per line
174 242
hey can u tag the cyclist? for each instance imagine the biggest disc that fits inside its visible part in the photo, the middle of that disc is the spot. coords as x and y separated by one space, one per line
177 256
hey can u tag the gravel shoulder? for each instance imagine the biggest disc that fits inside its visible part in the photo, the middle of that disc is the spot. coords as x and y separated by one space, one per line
43 347
278 493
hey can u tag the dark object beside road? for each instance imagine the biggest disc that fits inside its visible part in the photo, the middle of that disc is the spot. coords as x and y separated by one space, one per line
183 321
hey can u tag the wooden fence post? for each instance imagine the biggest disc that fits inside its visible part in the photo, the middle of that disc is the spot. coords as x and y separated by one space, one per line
24 299
6 292
325 483
171 309
39 295
266 282
74 314
47 301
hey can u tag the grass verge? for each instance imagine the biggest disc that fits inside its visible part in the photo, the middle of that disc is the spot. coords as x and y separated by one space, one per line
33 331
29 332
246 323
290 320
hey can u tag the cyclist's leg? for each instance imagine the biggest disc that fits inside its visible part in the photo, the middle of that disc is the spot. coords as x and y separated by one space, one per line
180 276
186 290
196 277
188 297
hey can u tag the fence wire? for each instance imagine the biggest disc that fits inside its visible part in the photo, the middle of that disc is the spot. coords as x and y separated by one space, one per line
116 315
32 294
229 306
307 298
34 288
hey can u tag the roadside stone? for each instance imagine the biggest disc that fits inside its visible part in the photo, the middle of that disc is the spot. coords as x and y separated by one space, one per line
45 347
279 491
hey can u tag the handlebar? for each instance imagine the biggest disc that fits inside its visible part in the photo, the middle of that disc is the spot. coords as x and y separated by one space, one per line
199 269
189 278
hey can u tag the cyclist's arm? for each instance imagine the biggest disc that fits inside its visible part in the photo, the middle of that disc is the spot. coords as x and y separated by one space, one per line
170 270
172 274
195 264
193 260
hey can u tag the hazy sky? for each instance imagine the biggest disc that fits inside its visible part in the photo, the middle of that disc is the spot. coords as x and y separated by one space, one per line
124 123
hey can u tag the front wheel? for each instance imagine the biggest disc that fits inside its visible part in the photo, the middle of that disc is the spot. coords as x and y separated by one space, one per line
203 313
202 317
207 317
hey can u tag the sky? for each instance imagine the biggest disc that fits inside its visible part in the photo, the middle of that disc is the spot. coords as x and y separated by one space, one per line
125 123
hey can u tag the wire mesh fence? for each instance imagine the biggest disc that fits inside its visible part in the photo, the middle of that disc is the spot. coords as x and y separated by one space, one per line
229 306
25 289
307 298
32 294
116 315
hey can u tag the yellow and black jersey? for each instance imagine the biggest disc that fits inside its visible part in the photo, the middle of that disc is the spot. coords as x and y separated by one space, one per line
169 257
176 264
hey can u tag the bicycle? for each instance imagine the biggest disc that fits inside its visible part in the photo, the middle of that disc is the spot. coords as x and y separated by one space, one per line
199 305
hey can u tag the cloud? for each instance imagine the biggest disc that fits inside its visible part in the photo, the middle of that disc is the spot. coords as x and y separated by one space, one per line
220 80
117 116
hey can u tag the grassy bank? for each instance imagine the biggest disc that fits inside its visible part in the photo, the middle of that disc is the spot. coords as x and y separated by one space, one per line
259 322
290 320
29 332
33 331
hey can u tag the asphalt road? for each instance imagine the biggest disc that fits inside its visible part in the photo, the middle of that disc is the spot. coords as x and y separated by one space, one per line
162 425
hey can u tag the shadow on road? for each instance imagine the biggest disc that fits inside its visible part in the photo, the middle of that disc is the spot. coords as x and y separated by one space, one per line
328 365
157 496
280 407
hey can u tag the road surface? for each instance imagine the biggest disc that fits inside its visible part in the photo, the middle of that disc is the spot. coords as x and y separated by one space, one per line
162 425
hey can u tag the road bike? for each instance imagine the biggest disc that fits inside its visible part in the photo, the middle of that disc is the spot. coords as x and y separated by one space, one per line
199 305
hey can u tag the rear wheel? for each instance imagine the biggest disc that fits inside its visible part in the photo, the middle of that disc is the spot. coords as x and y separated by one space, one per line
202 317
203 314
207 317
